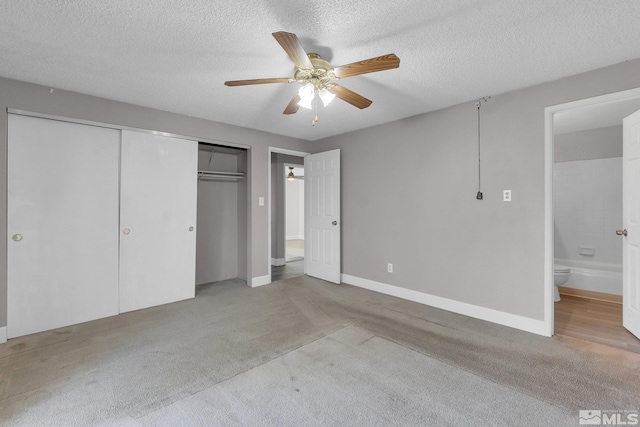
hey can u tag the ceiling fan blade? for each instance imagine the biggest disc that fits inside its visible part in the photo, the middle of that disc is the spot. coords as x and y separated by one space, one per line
255 81
292 46
293 106
349 96
371 65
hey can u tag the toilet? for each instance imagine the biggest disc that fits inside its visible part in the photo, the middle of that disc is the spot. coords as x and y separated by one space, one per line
561 274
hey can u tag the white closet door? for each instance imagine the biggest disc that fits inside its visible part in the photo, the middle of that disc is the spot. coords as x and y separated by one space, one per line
62 207
157 220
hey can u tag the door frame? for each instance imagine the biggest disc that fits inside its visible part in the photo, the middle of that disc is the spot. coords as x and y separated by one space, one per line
270 151
549 112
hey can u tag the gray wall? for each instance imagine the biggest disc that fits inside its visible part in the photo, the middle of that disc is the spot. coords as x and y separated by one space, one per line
36 98
600 143
409 187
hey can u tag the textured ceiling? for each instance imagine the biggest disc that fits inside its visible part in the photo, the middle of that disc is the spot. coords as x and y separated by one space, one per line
174 55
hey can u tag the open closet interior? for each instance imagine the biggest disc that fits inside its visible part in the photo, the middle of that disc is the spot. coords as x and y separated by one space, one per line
221 238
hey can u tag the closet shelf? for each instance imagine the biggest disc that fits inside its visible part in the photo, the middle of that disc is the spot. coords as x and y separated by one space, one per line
220 175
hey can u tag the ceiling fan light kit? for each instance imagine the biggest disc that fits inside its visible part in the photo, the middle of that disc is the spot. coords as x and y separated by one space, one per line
317 76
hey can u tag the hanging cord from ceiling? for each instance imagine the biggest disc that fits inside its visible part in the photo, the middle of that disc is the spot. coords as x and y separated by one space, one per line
478 105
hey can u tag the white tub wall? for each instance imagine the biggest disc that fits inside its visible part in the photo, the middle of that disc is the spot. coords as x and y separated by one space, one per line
588 209
595 277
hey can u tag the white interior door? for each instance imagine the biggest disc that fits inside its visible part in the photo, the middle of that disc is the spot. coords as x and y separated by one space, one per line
62 208
631 221
157 220
322 215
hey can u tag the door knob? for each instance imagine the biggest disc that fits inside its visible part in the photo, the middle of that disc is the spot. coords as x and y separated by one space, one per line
17 237
621 232
191 228
126 231
334 222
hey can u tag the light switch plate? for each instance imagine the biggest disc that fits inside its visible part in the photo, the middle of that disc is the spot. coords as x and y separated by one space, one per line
506 195
260 201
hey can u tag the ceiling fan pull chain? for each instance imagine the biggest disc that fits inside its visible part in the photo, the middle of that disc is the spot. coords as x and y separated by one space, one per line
315 107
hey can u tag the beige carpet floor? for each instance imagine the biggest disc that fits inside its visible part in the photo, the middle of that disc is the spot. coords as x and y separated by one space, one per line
306 352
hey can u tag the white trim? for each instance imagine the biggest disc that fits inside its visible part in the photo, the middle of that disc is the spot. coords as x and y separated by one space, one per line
278 261
269 152
120 127
295 237
549 112
478 312
3 335
260 281
548 293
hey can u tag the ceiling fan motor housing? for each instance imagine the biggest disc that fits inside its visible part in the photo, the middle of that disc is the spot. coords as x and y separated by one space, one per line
319 75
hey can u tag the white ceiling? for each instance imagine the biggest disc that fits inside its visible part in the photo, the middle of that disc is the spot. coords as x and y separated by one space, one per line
174 55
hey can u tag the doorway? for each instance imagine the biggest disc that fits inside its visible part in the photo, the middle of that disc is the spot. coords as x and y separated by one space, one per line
294 213
583 210
286 214
293 227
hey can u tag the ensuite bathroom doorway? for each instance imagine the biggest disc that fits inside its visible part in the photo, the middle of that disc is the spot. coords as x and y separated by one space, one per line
587 211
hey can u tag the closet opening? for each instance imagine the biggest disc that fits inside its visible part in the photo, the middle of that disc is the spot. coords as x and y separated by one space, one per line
221 238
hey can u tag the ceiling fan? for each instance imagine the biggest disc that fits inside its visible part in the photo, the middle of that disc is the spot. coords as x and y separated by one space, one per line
316 75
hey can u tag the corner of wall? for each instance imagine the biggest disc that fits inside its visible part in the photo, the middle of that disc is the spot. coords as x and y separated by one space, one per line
3 334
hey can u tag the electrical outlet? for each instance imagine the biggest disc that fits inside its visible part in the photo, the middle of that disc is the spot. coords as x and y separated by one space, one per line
389 268
506 195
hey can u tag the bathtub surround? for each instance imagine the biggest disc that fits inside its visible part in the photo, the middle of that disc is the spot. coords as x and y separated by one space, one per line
587 203
593 277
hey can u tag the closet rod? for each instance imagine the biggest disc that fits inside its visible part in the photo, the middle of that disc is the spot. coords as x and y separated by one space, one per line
226 175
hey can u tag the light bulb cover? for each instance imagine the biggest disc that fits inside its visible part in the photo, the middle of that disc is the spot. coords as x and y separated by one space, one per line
326 96
306 94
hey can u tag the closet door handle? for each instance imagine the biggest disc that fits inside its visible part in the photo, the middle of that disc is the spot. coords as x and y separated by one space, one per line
17 237
126 231
191 228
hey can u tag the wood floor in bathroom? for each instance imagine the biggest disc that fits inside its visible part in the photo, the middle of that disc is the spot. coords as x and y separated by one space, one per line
593 320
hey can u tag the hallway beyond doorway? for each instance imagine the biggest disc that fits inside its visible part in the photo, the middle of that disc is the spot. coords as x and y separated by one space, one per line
294 250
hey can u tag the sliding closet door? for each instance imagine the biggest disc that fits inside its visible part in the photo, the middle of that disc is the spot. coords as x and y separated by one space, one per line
62 207
157 220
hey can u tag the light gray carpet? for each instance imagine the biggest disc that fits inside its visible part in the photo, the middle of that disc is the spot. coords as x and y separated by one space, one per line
236 355
352 377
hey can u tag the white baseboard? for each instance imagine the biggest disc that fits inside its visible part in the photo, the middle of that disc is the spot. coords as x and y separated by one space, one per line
3 334
278 261
500 317
295 238
260 281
